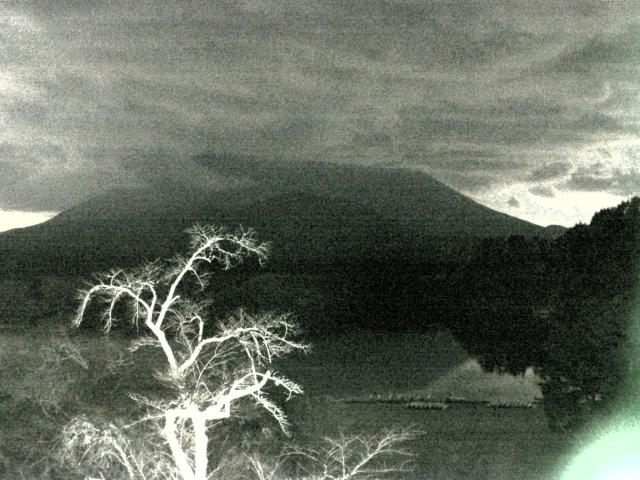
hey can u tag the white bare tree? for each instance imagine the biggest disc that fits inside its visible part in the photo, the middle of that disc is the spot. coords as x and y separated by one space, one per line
209 373
349 457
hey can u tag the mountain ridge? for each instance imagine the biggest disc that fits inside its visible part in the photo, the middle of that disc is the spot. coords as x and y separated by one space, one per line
313 213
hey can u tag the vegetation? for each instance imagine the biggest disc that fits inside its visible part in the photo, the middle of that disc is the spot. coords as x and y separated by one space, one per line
207 373
589 361
561 305
497 444
564 307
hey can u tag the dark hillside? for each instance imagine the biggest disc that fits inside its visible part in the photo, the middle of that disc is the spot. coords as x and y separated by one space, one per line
412 199
314 214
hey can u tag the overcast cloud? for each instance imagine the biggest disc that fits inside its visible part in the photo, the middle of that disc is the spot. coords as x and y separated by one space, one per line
531 108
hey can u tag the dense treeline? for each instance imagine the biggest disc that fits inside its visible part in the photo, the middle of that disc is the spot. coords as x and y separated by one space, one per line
589 357
562 305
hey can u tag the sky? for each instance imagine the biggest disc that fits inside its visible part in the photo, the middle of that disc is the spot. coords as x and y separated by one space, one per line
531 108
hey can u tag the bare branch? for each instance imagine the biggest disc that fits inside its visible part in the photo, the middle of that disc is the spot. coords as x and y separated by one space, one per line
111 289
361 456
146 341
209 374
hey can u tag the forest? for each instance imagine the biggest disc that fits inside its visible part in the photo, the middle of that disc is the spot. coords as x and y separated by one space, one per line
562 305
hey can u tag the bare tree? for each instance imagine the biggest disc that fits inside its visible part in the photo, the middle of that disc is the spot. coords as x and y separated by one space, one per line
209 373
349 457
364 457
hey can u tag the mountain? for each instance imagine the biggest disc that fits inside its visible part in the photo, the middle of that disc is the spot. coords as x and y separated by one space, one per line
314 213
409 198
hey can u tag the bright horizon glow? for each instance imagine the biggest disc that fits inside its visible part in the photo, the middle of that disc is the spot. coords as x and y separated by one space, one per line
10 219
565 208
613 453
613 456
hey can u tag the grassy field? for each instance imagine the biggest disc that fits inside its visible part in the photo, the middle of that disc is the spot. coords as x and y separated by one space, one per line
471 442
464 442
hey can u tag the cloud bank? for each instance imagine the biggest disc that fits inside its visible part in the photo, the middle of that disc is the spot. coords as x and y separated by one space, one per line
519 101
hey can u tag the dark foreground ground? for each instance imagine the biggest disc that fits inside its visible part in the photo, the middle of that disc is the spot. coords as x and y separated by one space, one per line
463 442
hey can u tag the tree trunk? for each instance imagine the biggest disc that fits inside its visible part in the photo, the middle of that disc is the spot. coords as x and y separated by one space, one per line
201 442
176 449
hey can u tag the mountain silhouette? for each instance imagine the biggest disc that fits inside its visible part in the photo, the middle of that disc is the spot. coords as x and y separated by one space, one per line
313 213
409 198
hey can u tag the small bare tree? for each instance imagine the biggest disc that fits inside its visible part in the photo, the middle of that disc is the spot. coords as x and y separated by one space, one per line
363 457
209 373
349 457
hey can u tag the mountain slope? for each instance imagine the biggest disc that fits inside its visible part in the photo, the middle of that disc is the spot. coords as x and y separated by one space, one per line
411 198
313 213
